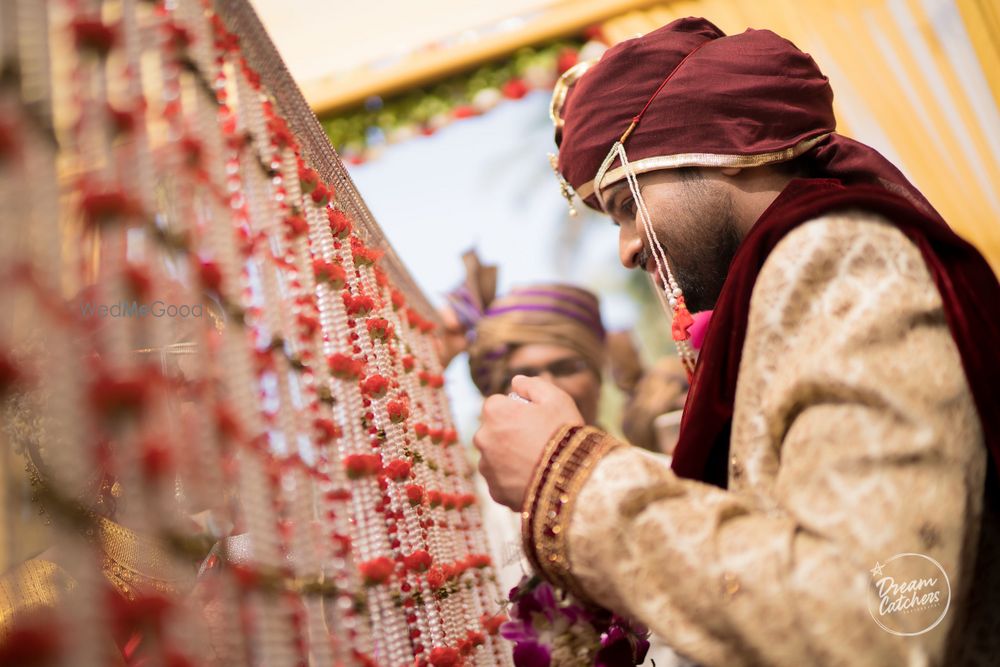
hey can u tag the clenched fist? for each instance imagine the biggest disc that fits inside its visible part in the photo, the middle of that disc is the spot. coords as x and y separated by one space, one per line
512 435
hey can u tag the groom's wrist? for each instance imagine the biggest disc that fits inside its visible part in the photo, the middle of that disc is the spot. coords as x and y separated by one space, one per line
564 468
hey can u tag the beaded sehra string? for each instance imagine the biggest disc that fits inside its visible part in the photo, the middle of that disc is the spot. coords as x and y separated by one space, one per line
290 450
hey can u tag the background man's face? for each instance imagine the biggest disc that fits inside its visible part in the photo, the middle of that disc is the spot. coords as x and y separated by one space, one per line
562 367
693 222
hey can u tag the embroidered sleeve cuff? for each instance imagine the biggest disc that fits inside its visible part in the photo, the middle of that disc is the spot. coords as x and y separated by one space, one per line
564 468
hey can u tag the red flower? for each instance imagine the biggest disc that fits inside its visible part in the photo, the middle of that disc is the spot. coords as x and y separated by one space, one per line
225 423
398 411
375 386
281 136
10 374
326 431
464 111
210 276
418 561
376 571
363 255
93 35
492 623
409 363
363 659
123 122
449 437
308 324
296 226
595 33
340 224
398 301
345 367
9 143
682 322
445 656
308 179
437 435
343 542
338 494
479 561
119 397
145 611
177 36
156 458
421 430
567 58
514 89
398 470
414 494
320 195
449 501
475 637
191 150
379 328
434 498
358 306
330 273
107 206
362 465
32 641
432 380
381 279
413 318
138 281
436 577
466 500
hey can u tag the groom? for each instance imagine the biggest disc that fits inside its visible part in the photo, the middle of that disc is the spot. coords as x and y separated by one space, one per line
843 420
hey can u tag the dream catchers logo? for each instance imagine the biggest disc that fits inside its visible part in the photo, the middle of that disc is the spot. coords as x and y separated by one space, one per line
912 594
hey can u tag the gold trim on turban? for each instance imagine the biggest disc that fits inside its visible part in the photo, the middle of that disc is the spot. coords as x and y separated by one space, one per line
658 162
561 89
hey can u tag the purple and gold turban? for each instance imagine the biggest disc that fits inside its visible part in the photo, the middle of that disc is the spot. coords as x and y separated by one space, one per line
551 314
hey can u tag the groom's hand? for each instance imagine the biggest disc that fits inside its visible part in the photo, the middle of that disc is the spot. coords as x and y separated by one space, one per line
512 435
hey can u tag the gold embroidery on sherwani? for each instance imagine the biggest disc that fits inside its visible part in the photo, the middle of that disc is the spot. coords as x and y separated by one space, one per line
33 586
854 438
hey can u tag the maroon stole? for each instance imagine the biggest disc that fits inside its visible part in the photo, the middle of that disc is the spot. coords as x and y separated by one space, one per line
968 287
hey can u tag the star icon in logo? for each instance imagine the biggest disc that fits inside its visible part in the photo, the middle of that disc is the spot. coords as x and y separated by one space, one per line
877 570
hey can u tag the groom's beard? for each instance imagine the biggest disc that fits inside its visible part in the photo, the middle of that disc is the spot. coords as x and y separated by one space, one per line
700 265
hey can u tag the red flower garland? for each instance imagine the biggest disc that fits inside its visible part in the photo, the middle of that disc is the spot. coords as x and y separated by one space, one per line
379 328
376 571
330 273
362 465
418 561
340 225
398 470
375 386
414 494
398 412
345 367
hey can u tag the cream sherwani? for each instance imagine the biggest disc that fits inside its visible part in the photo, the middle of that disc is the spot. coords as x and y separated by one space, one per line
854 438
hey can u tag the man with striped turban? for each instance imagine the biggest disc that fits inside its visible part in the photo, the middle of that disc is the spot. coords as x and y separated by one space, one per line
551 331
831 499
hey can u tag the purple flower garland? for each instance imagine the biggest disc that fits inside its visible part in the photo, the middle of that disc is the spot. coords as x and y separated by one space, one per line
551 629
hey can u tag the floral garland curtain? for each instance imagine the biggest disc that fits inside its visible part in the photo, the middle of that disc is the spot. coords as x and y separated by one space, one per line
220 384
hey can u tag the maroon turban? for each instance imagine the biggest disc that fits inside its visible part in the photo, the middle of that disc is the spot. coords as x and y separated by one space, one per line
702 99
